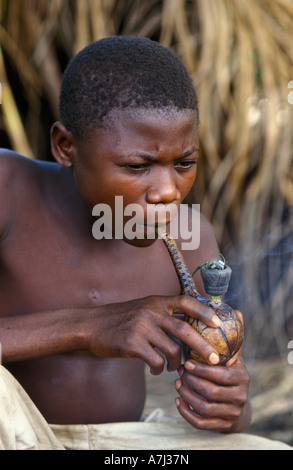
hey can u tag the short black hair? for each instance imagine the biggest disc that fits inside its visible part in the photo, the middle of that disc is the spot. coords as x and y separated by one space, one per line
122 72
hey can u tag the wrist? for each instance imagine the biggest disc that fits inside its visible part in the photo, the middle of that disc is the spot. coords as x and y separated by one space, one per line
80 326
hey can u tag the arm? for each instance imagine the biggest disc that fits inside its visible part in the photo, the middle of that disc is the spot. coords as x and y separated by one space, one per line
138 328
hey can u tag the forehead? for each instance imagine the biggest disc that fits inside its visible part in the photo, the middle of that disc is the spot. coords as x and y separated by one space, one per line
147 126
145 116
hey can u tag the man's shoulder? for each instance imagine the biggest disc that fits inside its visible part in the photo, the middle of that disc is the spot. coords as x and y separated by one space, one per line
13 165
22 180
16 169
7 155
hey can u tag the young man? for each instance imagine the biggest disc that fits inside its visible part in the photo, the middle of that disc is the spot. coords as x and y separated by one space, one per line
80 317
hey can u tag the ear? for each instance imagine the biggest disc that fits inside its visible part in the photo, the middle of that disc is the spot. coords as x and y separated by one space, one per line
62 145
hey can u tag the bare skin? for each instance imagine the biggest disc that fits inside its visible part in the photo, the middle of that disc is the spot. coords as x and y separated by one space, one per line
81 317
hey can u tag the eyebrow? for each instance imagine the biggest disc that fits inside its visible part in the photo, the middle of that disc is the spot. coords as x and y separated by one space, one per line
150 157
190 151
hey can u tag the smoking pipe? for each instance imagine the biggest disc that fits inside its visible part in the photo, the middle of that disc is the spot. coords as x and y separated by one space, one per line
228 337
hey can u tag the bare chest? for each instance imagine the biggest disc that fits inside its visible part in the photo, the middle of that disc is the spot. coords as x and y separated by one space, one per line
53 266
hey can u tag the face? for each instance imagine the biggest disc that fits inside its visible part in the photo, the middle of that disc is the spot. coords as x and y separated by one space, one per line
147 157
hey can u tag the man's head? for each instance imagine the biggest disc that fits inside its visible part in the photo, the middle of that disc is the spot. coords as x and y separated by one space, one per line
129 125
118 73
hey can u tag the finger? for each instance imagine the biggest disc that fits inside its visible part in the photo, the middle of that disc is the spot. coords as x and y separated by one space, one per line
184 304
234 359
154 360
200 422
169 347
161 349
146 352
222 375
173 356
205 408
209 390
185 333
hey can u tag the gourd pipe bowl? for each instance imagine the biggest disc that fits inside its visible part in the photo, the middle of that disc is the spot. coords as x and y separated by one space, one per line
228 337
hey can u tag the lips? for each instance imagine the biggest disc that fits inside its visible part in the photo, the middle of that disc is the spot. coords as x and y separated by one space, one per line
159 214
131 221
146 221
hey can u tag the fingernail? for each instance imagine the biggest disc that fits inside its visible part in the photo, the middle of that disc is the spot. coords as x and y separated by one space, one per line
189 365
177 401
178 384
214 358
216 320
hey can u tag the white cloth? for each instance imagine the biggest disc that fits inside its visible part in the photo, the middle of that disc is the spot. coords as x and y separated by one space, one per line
22 427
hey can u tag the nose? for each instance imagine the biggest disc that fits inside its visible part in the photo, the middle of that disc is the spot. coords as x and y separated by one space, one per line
163 188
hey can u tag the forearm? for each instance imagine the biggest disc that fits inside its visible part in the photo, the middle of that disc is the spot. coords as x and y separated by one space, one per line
35 335
135 328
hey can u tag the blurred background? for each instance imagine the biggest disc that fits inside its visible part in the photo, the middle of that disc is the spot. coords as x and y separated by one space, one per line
240 55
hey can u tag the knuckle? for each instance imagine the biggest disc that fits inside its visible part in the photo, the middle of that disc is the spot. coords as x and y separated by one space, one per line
184 301
130 346
157 365
204 408
201 425
184 328
235 413
241 398
174 348
226 426
212 395
228 376
143 312
159 361
192 304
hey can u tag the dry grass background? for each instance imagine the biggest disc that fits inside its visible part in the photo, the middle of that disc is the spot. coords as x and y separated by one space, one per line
240 55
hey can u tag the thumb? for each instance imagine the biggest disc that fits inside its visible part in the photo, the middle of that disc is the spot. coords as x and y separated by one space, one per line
185 304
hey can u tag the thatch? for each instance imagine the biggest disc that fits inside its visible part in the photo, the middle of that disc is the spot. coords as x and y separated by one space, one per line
240 55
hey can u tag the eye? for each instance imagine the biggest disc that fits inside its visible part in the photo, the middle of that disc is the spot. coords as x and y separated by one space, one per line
185 164
137 167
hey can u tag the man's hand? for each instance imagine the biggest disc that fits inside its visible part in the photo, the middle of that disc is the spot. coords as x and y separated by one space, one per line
146 328
214 398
